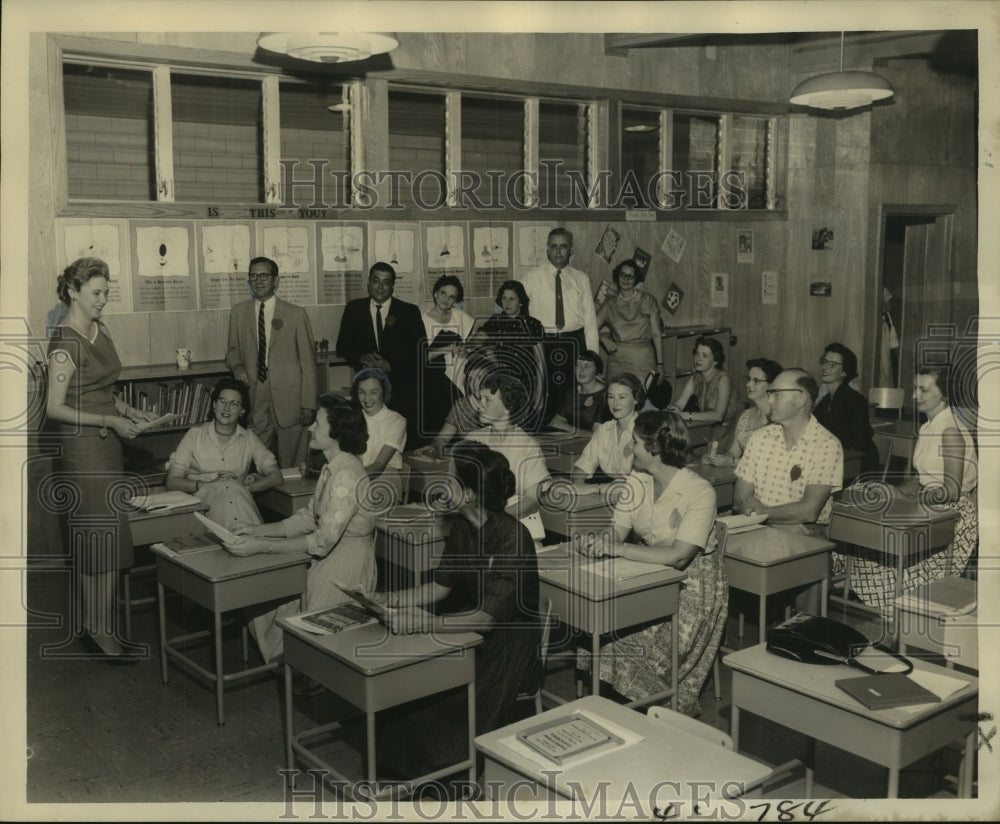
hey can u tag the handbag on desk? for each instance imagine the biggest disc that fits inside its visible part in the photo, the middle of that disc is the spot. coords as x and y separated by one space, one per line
815 640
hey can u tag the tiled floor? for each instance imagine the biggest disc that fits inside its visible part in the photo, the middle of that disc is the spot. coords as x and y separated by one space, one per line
100 733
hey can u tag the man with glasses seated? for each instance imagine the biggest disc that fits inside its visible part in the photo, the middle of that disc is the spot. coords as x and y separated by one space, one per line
792 466
271 350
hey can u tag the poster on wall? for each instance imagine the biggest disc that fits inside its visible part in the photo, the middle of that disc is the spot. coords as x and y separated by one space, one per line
532 240
290 245
719 290
768 287
341 262
224 248
491 259
163 270
396 244
673 245
444 245
744 246
101 238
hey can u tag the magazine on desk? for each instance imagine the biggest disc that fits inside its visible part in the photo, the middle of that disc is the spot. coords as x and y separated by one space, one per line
159 501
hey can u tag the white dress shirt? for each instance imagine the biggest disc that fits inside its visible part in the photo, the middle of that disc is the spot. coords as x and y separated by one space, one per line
578 301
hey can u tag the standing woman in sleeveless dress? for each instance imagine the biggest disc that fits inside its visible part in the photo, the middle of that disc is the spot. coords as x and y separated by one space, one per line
83 368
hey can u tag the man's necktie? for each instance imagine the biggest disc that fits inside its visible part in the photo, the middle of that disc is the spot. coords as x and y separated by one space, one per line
261 347
378 327
560 312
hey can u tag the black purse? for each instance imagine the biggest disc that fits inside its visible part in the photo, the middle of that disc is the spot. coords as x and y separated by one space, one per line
814 640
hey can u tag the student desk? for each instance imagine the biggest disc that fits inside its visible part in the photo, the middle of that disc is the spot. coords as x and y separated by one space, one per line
410 539
943 617
222 582
668 765
902 435
771 559
722 479
424 472
150 528
803 697
599 604
374 670
852 464
563 450
577 514
289 498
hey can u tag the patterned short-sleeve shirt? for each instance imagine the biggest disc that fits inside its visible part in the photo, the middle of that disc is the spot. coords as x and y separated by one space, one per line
780 475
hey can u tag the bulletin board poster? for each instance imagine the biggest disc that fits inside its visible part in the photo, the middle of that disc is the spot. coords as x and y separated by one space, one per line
491 253
291 245
342 272
444 245
103 238
225 248
163 266
532 240
398 244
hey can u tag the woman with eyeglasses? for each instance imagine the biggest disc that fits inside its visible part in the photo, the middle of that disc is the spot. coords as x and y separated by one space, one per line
842 409
760 373
632 330
213 461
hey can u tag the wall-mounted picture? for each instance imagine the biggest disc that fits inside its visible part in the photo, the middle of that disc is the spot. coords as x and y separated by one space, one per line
822 238
719 283
608 243
642 259
672 300
821 289
673 245
744 246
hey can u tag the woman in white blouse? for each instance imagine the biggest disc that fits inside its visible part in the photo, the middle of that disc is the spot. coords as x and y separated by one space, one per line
446 328
371 391
336 527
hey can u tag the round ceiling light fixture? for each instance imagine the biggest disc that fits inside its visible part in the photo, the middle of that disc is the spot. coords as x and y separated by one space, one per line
328 47
841 91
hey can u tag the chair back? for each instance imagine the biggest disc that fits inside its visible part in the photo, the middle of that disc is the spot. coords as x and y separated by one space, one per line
884 447
545 609
886 397
707 732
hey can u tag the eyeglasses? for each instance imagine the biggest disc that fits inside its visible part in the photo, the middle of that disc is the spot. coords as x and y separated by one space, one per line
259 276
754 381
773 393
229 404
828 362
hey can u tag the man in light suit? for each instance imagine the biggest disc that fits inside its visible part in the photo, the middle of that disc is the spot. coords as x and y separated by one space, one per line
383 332
281 370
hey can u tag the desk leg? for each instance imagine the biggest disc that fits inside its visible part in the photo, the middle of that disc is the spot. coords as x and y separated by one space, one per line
824 595
595 664
734 727
762 618
968 766
893 790
289 756
127 601
370 747
471 698
219 684
810 760
160 598
673 661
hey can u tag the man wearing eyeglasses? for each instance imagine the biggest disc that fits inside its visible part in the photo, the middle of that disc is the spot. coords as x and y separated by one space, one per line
792 466
271 350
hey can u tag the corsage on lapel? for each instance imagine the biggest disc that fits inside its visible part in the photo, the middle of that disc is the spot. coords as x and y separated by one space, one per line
277 323
796 472
390 320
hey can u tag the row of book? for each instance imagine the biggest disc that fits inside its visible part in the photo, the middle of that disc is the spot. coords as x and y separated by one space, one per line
189 400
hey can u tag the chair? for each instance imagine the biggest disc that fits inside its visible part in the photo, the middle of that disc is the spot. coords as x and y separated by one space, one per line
536 695
887 397
884 447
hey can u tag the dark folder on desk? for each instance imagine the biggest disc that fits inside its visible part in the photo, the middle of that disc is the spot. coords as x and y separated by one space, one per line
881 692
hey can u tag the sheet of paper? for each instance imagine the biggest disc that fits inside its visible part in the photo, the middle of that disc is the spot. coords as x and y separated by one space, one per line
217 529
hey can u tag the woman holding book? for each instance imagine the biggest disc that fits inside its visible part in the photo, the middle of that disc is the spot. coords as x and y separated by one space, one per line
83 366
213 460
487 582
667 517
336 527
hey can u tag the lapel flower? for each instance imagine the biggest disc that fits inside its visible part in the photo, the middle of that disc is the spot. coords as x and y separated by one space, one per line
588 401
390 320
675 519
796 472
277 323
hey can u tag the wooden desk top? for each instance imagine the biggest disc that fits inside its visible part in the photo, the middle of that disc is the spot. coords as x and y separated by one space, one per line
372 650
218 565
295 487
875 507
715 475
770 546
139 515
415 519
817 681
560 567
665 753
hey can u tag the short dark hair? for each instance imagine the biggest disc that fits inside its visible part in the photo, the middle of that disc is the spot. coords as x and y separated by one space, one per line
592 357
347 425
634 385
381 266
78 273
517 288
559 230
804 380
449 280
268 261
378 375
849 358
513 395
237 386
486 472
663 433
616 274
718 353
942 379
770 368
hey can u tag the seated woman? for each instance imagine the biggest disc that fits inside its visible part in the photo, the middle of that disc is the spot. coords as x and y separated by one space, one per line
843 410
335 527
947 475
371 391
668 519
503 405
463 416
705 396
633 336
446 328
213 459
760 373
586 408
487 582
610 448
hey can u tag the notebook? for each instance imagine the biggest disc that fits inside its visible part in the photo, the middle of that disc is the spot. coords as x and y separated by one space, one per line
881 692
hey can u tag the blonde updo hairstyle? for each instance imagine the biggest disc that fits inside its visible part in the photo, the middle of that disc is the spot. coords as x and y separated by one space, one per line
78 273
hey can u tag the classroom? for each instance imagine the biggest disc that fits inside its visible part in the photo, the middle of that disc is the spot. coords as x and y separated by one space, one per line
509 414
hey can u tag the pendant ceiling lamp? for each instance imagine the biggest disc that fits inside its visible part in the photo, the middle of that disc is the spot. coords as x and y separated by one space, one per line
841 91
328 47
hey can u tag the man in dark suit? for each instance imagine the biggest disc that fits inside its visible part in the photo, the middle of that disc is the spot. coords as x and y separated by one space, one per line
383 332
280 370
